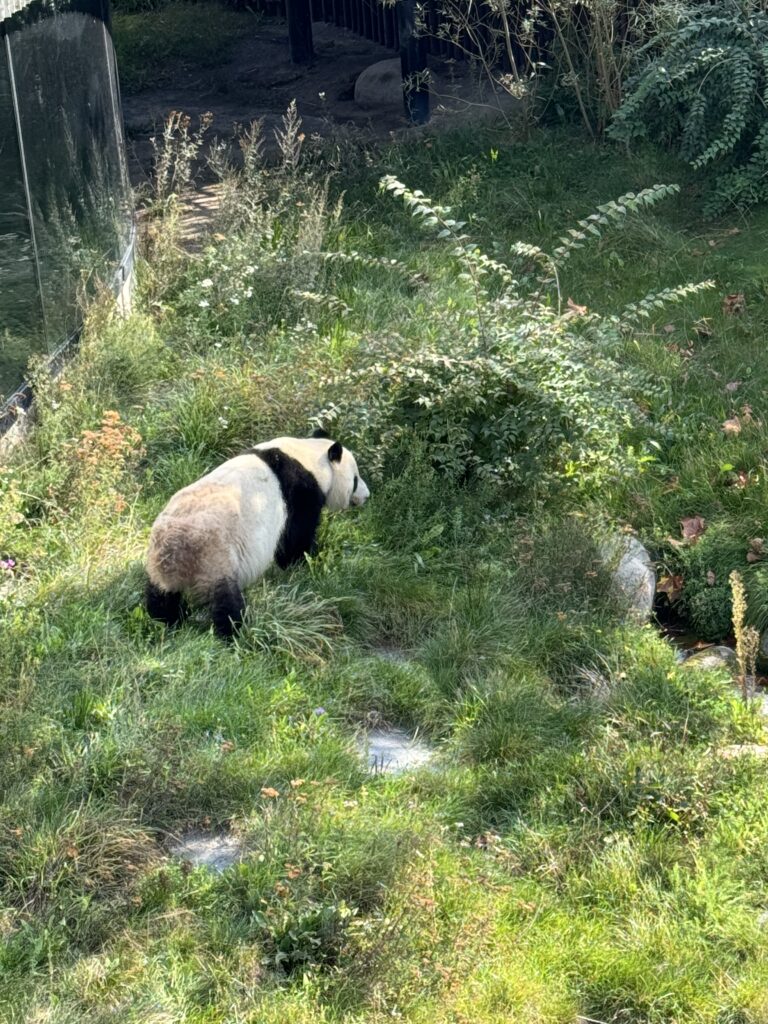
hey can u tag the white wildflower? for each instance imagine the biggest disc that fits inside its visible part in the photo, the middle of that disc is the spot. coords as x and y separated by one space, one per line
203 303
206 283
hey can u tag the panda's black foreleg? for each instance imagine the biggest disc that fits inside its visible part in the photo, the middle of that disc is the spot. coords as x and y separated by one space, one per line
227 608
167 606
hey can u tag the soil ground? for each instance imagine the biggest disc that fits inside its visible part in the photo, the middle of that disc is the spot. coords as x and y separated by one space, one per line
259 81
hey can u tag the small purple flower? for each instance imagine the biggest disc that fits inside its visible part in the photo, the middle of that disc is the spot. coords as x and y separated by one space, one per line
319 711
7 563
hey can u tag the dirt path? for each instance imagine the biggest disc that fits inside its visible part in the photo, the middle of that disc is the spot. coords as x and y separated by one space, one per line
259 82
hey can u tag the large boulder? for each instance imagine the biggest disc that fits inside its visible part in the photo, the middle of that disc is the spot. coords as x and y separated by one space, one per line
633 574
380 86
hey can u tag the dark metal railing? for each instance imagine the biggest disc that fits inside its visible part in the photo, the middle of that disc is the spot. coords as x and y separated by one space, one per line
373 20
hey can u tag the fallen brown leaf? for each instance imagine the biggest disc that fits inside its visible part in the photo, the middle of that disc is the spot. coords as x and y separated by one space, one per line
693 527
734 304
672 586
732 386
576 308
668 328
268 791
732 426
756 550
739 479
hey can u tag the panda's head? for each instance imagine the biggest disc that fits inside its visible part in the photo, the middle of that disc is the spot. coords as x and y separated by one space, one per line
347 487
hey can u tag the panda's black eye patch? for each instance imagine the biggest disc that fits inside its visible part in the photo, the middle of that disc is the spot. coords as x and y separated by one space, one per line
354 486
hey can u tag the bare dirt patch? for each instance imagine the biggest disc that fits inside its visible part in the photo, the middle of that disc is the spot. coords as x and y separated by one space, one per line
258 82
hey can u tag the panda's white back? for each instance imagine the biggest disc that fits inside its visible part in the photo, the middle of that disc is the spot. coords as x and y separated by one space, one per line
227 523
262 516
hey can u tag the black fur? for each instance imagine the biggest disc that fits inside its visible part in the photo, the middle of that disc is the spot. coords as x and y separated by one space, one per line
335 452
320 433
227 607
163 605
304 502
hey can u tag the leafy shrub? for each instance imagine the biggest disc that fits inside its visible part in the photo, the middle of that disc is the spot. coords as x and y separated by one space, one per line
565 54
701 89
514 389
302 939
706 567
265 265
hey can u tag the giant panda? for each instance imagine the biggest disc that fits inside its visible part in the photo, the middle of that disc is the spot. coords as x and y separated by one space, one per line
220 533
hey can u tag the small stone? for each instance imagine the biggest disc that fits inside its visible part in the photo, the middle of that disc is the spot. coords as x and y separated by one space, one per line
744 749
394 654
201 849
714 658
634 577
594 685
393 751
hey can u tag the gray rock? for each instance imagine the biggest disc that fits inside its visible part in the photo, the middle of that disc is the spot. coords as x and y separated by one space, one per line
396 655
714 658
201 849
634 577
380 86
393 751
593 684
758 750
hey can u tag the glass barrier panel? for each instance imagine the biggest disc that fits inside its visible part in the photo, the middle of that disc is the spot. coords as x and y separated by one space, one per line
21 316
79 197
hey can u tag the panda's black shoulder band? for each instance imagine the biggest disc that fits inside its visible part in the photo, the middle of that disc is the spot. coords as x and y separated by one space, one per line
304 501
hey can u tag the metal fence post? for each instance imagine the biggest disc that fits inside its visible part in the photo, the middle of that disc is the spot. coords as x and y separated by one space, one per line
299 15
413 60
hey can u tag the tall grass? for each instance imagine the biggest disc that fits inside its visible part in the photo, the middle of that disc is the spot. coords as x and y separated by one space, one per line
573 852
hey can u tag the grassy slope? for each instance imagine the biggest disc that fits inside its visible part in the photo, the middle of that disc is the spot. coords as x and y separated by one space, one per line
570 857
154 47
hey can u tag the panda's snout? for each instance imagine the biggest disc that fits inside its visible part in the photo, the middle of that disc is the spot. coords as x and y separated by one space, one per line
361 495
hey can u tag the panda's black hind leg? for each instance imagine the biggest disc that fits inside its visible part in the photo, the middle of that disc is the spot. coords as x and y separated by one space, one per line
164 605
227 608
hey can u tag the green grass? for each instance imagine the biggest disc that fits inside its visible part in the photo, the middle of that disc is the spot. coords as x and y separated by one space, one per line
155 46
568 855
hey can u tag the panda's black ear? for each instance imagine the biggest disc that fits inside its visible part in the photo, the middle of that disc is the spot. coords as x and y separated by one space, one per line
334 452
320 433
